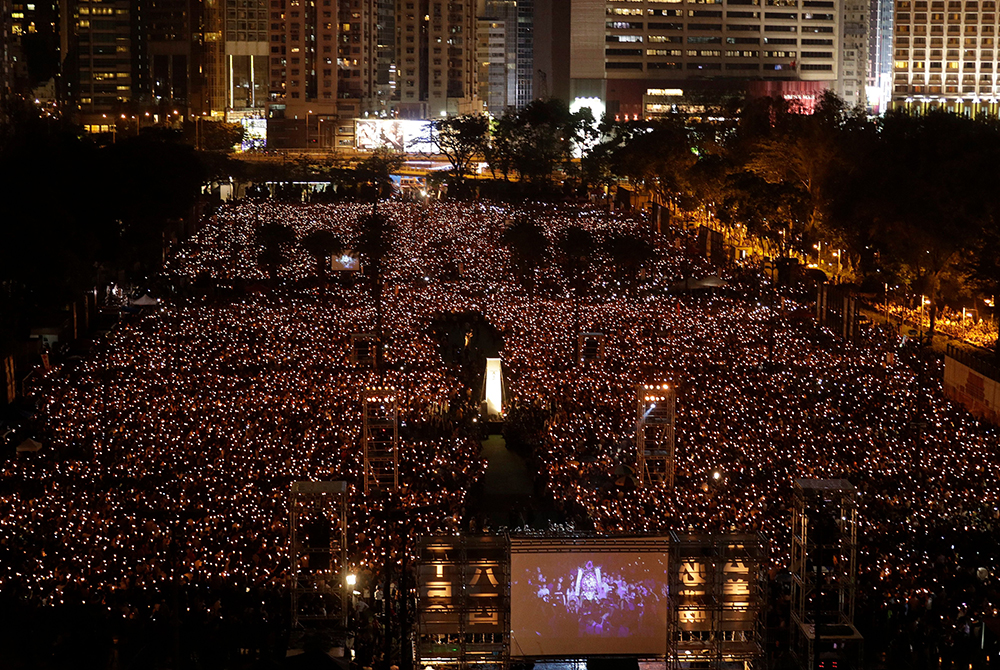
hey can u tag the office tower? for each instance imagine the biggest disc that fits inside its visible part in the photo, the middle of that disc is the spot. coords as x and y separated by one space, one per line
525 58
171 76
497 72
357 56
303 73
879 84
385 58
496 82
853 71
436 51
516 19
945 56
105 60
644 59
246 55
29 47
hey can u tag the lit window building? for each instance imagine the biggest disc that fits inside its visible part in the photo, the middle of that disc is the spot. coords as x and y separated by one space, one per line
945 56
642 58
436 58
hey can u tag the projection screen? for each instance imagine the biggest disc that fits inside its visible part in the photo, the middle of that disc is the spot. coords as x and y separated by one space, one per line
588 599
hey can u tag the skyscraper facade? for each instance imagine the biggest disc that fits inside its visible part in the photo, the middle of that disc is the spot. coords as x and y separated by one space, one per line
436 52
945 56
524 64
879 84
106 64
643 58
497 81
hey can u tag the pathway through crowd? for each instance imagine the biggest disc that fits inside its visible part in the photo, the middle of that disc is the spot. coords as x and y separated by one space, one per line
506 494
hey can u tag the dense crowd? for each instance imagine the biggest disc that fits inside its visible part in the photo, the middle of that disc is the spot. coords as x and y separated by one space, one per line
169 453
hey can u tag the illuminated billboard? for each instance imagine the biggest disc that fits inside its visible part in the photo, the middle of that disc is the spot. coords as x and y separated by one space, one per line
589 597
412 137
254 127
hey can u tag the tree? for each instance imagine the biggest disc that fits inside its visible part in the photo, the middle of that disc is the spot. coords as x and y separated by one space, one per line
576 248
653 155
321 244
628 253
931 194
537 139
981 265
376 171
529 250
214 135
273 238
376 234
804 151
771 211
460 139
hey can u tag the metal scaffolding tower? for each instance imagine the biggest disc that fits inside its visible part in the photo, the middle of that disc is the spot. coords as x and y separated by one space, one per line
318 536
654 438
824 574
380 439
717 601
591 347
364 349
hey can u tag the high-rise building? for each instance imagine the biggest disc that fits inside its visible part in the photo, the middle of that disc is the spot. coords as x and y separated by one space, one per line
29 45
173 73
945 56
247 54
105 61
498 62
304 64
357 57
640 59
852 74
879 84
497 82
524 64
436 57
515 19
385 58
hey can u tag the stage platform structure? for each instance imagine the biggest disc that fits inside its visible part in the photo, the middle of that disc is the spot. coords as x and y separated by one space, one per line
380 438
824 570
655 407
463 604
718 591
478 600
318 548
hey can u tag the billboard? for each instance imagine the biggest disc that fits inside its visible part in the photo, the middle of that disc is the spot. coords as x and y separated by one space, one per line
589 597
254 126
402 135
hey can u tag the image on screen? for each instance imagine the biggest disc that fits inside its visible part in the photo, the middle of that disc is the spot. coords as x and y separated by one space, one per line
577 603
347 261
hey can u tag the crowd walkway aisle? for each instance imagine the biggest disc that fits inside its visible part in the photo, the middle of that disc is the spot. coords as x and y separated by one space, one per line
506 494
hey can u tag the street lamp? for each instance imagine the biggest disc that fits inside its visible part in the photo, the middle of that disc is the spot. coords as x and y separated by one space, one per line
114 127
307 127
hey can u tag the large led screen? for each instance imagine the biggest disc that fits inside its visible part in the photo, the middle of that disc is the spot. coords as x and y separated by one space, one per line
413 137
579 602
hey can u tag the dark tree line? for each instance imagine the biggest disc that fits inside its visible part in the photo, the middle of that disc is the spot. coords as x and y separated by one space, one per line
77 213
